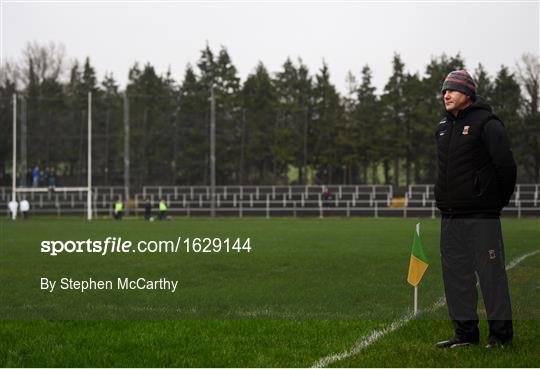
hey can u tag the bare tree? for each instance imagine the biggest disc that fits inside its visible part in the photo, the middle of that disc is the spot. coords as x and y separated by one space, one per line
42 62
528 69
529 76
9 74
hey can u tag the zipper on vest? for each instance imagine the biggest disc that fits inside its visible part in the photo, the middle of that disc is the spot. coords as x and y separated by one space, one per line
452 125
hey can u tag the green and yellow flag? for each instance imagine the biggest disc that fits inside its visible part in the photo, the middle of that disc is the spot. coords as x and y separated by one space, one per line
419 262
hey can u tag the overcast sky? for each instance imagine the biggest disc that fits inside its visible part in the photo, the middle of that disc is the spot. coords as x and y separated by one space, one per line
347 35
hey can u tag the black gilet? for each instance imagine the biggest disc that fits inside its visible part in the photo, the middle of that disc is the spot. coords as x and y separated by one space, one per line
466 184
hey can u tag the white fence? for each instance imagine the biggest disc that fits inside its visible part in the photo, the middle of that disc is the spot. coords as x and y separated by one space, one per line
268 201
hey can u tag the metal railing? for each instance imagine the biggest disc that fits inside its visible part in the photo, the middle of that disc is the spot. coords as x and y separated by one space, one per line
265 201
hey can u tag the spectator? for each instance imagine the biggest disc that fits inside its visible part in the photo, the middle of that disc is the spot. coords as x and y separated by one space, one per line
52 177
327 194
13 205
25 208
35 177
44 179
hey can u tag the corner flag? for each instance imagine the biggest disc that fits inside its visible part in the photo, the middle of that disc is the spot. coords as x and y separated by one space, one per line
419 262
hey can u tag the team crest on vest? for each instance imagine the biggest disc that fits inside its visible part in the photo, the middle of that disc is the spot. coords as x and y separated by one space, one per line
465 130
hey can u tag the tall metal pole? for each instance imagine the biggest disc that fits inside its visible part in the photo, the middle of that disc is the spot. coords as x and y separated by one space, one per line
89 200
24 156
14 169
242 149
212 151
304 166
126 147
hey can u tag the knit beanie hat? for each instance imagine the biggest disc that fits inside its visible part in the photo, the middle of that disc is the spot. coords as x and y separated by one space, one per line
461 81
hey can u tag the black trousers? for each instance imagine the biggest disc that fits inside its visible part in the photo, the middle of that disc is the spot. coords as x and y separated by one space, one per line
471 247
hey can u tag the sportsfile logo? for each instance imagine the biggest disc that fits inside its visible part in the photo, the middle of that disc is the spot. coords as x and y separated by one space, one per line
112 245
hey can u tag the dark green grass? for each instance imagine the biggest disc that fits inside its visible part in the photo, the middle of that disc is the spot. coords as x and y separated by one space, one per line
413 346
206 343
335 280
315 269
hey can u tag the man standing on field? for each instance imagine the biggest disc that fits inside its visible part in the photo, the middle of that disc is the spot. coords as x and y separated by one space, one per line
476 179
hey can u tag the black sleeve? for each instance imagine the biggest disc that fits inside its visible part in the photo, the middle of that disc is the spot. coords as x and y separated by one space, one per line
497 142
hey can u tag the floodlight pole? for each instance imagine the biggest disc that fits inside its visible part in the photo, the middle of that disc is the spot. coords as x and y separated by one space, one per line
89 171
126 148
14 168
24 151
212 152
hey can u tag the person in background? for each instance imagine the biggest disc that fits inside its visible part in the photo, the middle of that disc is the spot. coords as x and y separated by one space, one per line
118 210
327 194
25 208
12 206
162 209
52 177
147 209
35 176
44 177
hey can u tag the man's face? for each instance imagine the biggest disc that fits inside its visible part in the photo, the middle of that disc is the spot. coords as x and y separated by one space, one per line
455 101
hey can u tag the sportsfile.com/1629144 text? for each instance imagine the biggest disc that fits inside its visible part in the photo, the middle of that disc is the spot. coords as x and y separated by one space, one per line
111 245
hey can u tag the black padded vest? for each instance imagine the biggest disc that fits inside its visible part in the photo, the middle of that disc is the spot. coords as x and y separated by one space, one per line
466 178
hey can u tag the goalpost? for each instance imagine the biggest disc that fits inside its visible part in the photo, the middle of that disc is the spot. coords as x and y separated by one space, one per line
88 188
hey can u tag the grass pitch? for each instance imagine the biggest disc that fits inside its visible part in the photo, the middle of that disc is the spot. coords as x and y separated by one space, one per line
309 288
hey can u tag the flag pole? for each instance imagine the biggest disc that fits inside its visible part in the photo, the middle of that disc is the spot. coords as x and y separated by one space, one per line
415 300
417 266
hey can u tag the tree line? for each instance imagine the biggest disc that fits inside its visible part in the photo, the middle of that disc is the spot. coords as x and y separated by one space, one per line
289 126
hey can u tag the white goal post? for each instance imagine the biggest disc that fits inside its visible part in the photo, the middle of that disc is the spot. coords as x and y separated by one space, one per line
88 188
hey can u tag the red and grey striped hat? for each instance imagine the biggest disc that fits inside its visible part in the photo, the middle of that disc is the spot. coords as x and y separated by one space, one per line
460 80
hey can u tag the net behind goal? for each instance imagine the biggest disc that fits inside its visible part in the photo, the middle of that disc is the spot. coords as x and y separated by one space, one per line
52 123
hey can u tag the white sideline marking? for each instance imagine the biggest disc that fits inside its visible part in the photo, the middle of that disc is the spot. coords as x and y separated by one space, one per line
518 260
367 340
362 342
